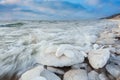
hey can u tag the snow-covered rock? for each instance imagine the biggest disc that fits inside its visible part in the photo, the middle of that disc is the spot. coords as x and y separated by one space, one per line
76 74
55 70
103 76
113 69
49 75
65 55
33 73
98 58
93 75
38 78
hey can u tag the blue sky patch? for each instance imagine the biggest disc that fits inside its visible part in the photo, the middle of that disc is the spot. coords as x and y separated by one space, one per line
57 9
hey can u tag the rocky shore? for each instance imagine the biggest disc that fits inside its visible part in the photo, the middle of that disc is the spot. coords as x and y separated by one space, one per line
61 52
101 62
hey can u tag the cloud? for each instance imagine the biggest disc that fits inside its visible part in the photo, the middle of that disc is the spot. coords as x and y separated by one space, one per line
6 16
92 2
58 9
9 1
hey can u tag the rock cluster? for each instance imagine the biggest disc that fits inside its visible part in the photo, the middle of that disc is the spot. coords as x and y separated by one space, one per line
98 60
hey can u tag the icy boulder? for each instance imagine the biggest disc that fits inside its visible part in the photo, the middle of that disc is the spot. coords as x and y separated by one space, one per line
99 57
93 75
59 55
39 73
33 74
77 74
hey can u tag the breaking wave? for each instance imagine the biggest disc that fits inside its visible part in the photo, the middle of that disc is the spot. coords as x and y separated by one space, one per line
18 24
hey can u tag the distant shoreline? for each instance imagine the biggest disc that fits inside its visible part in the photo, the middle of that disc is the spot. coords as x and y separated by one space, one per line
113 17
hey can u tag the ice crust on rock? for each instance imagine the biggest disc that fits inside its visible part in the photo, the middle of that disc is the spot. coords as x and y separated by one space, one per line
79 66
93 75
113 69
98 58
76 74
102 76
39 73
32 74
49 75
55 70
65 55
38 78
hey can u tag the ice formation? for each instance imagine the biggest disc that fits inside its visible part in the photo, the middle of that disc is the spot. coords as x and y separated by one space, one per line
67 48
98 58
77 74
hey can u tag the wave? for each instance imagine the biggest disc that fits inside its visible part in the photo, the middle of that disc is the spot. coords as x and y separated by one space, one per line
18 24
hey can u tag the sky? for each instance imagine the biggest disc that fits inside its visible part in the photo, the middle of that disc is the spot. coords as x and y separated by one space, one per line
57 9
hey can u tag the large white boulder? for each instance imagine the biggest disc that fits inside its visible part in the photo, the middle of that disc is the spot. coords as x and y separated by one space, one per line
33 74
98 58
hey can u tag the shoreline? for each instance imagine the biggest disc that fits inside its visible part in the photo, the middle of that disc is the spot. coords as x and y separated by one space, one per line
85 48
